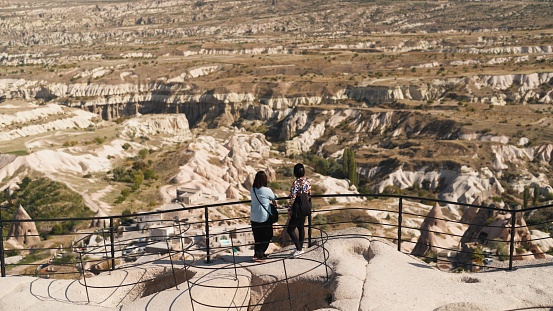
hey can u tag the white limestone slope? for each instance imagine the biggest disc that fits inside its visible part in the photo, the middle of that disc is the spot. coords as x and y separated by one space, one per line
41 130
56 162
215 166
395 281
25 119
175 126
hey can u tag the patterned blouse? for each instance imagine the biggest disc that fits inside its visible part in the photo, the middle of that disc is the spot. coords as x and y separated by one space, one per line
300 183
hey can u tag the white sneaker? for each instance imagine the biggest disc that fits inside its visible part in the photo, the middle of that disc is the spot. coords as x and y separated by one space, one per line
297 253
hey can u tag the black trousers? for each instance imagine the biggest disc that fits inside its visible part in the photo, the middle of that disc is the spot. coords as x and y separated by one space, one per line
298 223
262 234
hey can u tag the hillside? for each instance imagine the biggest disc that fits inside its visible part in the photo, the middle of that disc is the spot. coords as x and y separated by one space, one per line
431 102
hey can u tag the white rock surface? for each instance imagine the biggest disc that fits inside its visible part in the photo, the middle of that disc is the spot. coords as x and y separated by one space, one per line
174 125
370 274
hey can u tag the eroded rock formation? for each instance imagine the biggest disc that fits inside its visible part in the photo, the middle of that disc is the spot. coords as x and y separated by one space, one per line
491 228
431 238
24 232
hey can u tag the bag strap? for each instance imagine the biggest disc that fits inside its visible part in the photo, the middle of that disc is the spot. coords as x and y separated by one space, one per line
260 202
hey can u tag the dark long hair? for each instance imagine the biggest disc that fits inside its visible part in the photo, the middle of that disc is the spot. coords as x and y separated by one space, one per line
260 180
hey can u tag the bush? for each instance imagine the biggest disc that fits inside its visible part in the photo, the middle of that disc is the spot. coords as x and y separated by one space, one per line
328 167
57 229
319 219
392 189
99 140
149 174
11 252
430 256
345 219
143 153
478 256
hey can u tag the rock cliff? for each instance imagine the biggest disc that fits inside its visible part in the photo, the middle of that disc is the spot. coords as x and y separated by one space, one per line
118 100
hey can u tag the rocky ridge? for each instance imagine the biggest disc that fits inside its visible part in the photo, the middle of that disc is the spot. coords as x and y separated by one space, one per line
525 88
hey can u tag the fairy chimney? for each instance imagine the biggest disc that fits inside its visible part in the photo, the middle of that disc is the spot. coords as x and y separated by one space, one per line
23 232
431 227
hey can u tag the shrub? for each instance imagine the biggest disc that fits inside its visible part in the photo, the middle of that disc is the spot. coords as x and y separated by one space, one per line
143 153
149 174
478 256
328 167
430 256
392 189
99 140
11 252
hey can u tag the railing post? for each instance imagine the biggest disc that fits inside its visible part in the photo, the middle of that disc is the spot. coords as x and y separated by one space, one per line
309 231
233 257
172 266
399 221
324 255
189 288
181 242
2 260
84 276
206 215
287 284
512 246
112 243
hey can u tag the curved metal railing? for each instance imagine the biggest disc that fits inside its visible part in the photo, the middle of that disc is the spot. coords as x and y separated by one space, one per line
195 249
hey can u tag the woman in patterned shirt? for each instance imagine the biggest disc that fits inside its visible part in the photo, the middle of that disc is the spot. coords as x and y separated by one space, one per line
301 184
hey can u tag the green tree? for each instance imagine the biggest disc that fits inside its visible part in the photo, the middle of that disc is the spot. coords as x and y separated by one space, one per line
149 174
138 179
536 195
143 153
350 167
525 197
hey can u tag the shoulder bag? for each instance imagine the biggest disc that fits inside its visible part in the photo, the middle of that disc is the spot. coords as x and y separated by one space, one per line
273 214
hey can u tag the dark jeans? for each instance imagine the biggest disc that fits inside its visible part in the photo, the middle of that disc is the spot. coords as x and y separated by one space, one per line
262 234
292 225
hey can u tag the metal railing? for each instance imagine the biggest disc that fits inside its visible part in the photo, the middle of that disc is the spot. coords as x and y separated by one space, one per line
111 251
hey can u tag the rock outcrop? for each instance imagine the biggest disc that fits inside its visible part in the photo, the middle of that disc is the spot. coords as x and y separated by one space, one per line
175 126
24 232
174 94
431 238
215 166
488 226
